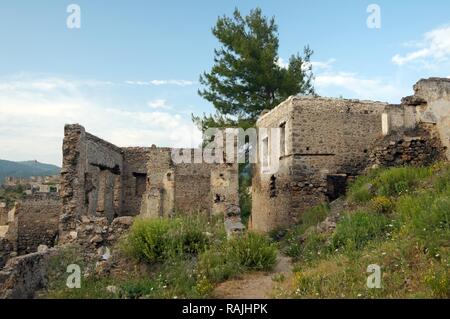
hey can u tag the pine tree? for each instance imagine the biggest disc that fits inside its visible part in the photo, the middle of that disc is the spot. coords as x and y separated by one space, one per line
246 77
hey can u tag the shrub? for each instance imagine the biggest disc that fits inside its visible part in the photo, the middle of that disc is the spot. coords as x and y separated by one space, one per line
215 265
382 205
252 251
355 230
156 240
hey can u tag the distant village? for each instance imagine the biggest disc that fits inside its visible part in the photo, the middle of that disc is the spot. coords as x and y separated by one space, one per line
34 184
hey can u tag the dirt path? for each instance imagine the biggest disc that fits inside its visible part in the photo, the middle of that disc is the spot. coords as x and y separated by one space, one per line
255 285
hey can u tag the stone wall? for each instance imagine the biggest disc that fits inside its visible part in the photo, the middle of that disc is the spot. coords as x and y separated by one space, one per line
419 147
6 247
3 214
158 199
24 275
324 141
102 180
37 222
91 182
432 101
187 187
134 179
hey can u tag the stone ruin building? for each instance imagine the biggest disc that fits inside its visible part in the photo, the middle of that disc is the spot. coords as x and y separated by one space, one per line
325 142
100 179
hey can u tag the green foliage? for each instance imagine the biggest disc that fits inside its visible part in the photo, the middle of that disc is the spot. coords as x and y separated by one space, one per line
355 230
295 235
387 182
400 222
246 78
439 282
381 205
216 266
312 247
426 217
252 251
245 197
11 195
156 240
175 279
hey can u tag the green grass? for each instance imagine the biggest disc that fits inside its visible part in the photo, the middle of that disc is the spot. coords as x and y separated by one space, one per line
355 230
185 258
387 182
292 242
401 222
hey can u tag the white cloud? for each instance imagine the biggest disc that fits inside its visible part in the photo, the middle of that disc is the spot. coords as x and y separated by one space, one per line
322 65
158 104
33 113
282 64
433 48
161 82
357 87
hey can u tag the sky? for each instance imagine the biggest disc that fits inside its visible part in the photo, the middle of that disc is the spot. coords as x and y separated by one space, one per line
130 73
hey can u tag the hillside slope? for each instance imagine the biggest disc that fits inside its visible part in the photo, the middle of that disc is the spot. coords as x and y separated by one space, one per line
26 169
396 220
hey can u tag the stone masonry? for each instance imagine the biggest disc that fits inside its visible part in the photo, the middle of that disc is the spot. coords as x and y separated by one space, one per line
324 142
102 180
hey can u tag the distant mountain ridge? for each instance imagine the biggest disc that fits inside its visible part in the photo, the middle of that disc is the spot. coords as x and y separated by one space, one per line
26 169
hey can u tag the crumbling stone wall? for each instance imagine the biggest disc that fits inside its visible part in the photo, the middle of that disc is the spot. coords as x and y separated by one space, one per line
419 147
324 140
187 187
102 180
6 247
159 197
432 102
37 222
24 275
3 214
134 179
91 177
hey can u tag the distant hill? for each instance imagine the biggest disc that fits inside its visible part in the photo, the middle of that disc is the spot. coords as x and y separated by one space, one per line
26 169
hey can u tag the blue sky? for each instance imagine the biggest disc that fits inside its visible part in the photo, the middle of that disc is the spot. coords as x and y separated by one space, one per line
130 73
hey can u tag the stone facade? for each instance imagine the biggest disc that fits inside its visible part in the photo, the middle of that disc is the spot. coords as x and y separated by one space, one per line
419 147
324 142
431 101
188 187
33 221
102 180
37 222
